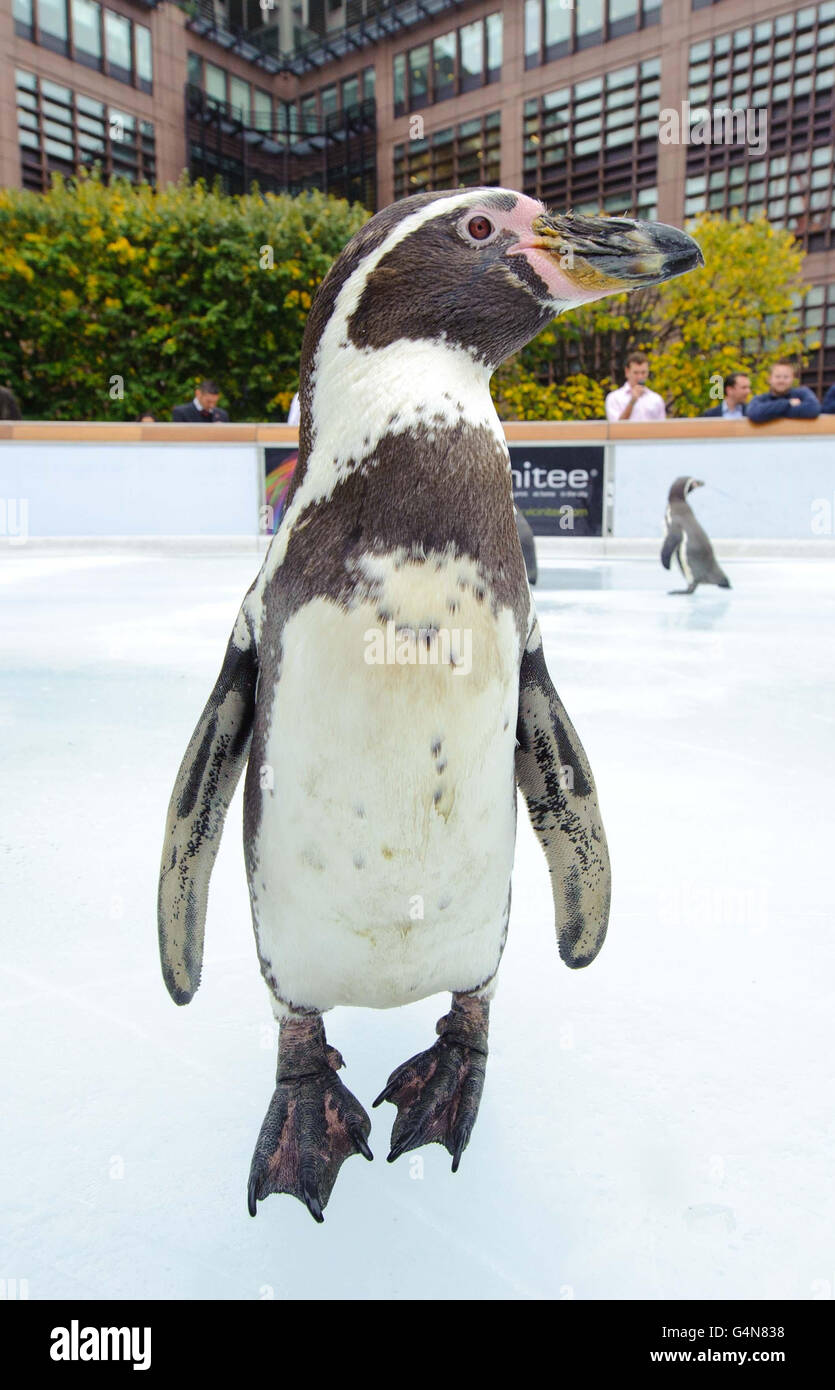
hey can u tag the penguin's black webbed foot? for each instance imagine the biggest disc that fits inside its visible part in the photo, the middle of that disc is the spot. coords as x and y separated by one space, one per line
437 1092
691 590
313 1124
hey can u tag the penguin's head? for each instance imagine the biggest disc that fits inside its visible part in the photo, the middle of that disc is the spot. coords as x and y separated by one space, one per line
486 269
682 487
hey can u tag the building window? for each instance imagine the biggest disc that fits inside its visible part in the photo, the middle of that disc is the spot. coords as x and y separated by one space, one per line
554 28
443 66
239 97
493 24
472 56
419 77
144 58
329 99
369 78
262 115
350 92
23 19
460 61
117 45
464 155
594 146
194 69
52 25
770 127
86 33
399 84
61 131
215 81
309 117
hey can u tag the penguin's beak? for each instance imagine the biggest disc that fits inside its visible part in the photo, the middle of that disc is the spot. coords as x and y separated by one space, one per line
607 254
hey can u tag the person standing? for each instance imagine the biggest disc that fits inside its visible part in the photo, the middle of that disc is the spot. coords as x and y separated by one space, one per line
733 405
204 407
784 400
634 400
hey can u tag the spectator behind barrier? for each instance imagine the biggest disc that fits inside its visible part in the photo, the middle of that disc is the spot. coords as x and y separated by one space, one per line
634 400
9 408
733 404
784 400
828 403
204 407
146 418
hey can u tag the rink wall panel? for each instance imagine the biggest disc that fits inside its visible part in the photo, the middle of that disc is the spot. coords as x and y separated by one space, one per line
765 488
163 480
134 489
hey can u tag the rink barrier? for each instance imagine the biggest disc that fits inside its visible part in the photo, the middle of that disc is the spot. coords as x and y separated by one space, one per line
771 487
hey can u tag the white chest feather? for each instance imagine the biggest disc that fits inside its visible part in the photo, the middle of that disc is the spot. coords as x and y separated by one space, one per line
386 840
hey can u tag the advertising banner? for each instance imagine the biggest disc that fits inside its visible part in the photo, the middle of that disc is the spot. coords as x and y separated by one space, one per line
559 488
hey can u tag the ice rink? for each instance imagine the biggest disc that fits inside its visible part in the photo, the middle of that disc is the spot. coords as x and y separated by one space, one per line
658 1125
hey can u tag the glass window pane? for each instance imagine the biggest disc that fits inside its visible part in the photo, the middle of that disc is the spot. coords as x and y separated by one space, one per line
589 18
350 92
443 64
557 23
262 110
310 121
22 11
215 81
400 82
195 70
144 60
52 17
494 42
239 96
472 55
369 84
532 14
419 75
117 40
329 100
86 27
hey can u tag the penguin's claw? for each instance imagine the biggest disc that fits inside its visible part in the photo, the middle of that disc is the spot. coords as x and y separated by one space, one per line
313 1124
437 1094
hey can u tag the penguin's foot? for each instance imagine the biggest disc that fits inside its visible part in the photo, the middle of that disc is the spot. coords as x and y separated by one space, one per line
313 1123
691 590
437 1093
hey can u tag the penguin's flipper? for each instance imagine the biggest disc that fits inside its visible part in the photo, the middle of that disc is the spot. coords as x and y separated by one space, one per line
672 541
205 783
555 778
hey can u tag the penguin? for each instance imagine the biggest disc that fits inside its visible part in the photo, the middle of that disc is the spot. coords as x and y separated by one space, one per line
385 685
688 541
528 544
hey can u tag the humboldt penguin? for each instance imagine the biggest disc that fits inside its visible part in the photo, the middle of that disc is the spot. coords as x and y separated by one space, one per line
386 683
688 541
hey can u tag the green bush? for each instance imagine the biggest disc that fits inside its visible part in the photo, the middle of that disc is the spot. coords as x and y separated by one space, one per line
102 284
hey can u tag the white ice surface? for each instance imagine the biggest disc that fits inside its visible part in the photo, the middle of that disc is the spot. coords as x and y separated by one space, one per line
657 1125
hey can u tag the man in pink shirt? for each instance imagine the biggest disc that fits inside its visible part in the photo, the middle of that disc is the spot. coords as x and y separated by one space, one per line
634 400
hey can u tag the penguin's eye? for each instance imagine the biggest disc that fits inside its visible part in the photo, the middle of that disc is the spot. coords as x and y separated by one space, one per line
479 228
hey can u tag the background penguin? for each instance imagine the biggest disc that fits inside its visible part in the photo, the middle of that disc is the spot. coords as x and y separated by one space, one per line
688 541
370 782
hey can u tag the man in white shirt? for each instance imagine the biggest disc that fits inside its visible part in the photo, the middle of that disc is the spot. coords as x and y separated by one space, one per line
634 400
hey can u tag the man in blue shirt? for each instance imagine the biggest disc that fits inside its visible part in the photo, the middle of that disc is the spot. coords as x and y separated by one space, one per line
783 400
828 405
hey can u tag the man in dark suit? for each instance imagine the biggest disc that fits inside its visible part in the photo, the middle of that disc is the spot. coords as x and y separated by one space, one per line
737 391
204 407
